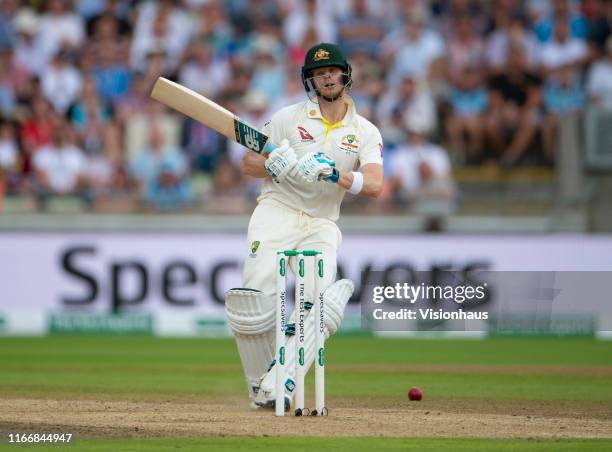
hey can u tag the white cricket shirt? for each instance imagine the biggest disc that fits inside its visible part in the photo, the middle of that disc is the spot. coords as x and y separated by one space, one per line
351 143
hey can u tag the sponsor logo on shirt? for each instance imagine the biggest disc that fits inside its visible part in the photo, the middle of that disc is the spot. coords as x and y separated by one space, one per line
350 144
304 134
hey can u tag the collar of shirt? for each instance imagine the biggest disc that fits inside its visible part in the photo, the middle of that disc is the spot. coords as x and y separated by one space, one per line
314 112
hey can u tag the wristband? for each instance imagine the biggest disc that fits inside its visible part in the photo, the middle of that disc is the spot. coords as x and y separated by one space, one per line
357 184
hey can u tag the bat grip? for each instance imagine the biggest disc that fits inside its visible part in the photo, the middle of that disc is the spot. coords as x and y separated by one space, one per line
269 147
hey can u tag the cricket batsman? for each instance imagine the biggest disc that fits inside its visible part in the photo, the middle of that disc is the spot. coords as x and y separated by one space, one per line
326 149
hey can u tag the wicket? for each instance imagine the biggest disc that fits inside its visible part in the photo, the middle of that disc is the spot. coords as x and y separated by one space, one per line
282 258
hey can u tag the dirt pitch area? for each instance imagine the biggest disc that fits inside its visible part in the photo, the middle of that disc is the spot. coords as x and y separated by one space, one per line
373 417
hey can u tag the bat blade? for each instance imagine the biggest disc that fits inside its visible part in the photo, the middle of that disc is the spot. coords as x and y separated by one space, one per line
211 114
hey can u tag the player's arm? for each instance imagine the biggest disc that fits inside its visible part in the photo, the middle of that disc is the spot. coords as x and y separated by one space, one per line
371 185
253 164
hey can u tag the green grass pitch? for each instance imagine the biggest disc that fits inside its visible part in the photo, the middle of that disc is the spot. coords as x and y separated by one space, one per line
550 370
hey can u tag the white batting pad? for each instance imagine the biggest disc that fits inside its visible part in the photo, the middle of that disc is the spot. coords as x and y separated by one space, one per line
251 317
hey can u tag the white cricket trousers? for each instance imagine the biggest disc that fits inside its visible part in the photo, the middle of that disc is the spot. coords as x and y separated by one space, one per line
276 227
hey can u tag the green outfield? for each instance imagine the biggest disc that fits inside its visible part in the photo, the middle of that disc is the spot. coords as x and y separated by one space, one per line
339 444
557 391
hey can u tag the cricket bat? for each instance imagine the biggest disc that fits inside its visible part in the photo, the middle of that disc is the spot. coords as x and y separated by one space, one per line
209 113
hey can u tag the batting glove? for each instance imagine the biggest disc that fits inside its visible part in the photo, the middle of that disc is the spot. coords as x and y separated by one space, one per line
315 166
281 161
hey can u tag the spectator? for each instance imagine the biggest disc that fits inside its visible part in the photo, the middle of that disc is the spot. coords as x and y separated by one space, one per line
91 114
411 59
397 13
449 10
60 167
438 82
202 72
407 101
465 47
414 49
563 93
306 15
89 107
563 49
514 114
203 146
213 26
8 10
14 77
37 131
137 128
105 171
119 10
269 71
109 30
501 14
29 51
512 31
360 30
468 100
294 93
248 16
112 77
420 170
110 55
60 28
240 75
61 82
297 52
110 184
156 66
98 173
562 11
367 81
135 100
160 25
123 187
162 173
599 79
264 30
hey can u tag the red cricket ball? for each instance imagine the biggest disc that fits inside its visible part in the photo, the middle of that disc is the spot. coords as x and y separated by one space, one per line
415 393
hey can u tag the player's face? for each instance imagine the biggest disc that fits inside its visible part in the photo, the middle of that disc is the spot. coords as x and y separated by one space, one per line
328 80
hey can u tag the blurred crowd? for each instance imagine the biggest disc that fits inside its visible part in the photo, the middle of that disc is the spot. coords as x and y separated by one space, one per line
448 82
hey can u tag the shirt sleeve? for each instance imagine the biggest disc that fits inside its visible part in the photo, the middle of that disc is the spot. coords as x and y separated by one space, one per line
274 128
372 151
